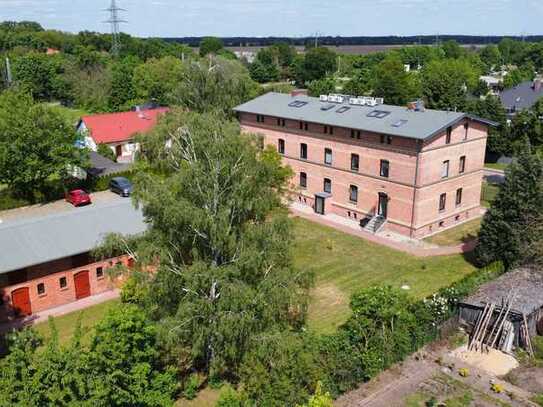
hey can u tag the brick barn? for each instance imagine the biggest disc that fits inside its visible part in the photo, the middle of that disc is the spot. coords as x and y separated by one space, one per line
405 169
46 262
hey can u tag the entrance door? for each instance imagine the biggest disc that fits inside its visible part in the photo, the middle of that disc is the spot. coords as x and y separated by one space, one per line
119 150
20 299
319 205
383 205
82 285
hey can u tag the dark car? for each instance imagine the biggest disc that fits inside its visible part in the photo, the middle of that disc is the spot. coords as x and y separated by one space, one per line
78 197
121 186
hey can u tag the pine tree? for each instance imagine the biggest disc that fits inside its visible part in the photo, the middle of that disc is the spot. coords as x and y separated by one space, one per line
504 232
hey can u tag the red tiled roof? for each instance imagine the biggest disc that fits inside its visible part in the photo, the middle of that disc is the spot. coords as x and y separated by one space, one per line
114 127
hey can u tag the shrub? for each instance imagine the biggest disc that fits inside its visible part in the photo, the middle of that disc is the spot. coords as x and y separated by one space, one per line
537 344
191 386
107 152
230 398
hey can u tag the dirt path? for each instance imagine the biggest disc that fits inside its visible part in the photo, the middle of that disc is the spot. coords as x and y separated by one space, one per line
391 387
421 372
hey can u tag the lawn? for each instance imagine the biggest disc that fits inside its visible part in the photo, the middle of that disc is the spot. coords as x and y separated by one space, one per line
457 235
344 264
66 324
72 115
489 193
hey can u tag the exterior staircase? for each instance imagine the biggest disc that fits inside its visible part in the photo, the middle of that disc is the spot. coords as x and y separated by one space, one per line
374 224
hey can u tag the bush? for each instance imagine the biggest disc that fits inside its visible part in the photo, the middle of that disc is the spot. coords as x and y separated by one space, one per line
230 398
537 344
102 183
191 387
106 151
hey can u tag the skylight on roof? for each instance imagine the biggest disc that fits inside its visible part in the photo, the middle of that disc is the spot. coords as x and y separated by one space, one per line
328 107
343 109
297 103
399 123
379 114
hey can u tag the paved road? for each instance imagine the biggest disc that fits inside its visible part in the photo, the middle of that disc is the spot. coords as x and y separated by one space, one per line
494 176
38 210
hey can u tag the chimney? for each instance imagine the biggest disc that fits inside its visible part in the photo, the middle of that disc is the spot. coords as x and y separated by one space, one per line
416 105
537 85
298 92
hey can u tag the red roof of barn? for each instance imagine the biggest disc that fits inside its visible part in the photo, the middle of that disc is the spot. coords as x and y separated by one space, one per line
114 127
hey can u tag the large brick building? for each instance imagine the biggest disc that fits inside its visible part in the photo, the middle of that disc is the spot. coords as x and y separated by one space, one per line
46 262
406 169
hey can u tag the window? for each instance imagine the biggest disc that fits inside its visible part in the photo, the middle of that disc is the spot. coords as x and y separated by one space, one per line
303 180
353 193
445 169
41 289
99 272
355 162
328 185
301 125
297 104
466 130
442 202
303 151
62 282
449 134
385 168
355 134
328 130
259 118
459 197
306 127
462 164
325 129
328 156
382 139
343 109
389 140
281 146
281 122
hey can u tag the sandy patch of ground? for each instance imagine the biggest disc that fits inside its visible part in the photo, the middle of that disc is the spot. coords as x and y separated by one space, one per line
493 361
529 378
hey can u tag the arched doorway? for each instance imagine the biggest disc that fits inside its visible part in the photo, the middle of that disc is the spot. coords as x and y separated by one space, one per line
20 300
82 284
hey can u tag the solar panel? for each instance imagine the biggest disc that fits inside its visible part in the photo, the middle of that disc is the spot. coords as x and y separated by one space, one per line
343 109
379 114
328 107
297 103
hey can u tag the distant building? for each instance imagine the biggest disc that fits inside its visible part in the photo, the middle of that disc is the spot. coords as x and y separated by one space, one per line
52 51
249 56
521 97
493 83
46 260
409 170
117 130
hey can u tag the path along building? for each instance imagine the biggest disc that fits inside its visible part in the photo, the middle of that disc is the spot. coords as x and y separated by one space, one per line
45 261
408 169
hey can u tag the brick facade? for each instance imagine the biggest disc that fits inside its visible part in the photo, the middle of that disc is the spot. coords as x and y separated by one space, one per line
50 275
415 181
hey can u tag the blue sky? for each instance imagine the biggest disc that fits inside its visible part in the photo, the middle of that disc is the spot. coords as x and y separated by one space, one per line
288 17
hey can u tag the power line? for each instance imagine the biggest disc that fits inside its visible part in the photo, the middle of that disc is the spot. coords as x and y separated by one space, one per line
115 21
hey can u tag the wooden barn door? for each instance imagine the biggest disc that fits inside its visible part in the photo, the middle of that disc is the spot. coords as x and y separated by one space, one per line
82 284
20 299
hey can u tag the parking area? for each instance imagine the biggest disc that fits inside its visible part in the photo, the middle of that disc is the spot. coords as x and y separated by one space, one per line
27 212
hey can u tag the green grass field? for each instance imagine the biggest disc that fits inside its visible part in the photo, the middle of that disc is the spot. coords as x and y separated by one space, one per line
496 166
489 193
344 264
457 235
72 115
66 324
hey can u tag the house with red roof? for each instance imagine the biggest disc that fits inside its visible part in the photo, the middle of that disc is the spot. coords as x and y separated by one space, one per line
118 130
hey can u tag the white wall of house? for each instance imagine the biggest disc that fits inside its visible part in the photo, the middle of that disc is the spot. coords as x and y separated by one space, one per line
128 148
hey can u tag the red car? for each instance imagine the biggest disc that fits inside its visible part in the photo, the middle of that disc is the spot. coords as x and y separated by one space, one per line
78 197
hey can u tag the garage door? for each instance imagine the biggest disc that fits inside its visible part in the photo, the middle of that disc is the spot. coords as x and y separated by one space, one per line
20 299
82 284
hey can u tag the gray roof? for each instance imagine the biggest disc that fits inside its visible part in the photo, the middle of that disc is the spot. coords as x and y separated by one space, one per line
34 241
526 283
522 96
101 166
419 124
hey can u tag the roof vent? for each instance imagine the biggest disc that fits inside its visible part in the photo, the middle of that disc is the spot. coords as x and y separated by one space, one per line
399 123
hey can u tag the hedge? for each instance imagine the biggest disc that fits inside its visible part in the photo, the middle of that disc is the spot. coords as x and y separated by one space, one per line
386 327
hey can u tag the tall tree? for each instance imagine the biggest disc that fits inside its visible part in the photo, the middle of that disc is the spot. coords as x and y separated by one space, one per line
157 78
210 45
393 83
316 64
445 83
504 230
37 145
224 273
215 84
